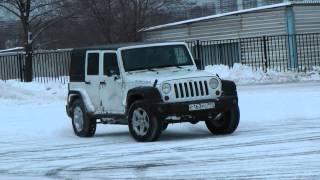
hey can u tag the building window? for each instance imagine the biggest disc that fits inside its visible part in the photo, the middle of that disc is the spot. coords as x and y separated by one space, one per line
268 2
247 4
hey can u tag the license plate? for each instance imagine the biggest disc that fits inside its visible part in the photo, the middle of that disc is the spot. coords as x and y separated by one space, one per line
202 106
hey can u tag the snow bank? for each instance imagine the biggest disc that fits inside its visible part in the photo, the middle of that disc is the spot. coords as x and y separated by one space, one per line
243 74
35 93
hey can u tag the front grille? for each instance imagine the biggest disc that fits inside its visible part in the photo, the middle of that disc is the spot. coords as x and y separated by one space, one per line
191 89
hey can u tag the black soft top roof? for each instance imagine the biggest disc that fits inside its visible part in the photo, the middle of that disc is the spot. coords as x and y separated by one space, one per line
115 47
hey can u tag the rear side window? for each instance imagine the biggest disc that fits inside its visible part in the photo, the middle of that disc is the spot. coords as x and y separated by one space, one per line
77 66
110 64
93 64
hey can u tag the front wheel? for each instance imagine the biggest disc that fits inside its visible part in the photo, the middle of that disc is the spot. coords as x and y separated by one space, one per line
83 125
226 124
144 126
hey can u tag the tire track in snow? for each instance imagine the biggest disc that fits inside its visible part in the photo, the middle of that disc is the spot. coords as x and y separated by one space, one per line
282 149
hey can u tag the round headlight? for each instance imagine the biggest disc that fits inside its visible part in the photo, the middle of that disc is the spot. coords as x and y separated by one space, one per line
166 88
213 83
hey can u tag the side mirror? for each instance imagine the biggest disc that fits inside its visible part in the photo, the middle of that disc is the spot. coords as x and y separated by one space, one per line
115 74
116 77
198 63
112 72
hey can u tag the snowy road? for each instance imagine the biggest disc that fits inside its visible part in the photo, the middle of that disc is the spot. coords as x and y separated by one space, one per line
278 138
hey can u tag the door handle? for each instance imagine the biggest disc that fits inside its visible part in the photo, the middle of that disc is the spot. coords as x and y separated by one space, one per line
88 82
103 83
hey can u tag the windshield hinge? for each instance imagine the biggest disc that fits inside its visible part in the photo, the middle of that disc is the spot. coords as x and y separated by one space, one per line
155 83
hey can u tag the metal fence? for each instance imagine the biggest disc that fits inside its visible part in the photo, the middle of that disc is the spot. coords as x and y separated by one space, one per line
46 66
299 52
12 66
280 53
51 66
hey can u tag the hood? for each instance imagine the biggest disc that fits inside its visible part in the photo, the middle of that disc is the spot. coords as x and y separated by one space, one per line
147 77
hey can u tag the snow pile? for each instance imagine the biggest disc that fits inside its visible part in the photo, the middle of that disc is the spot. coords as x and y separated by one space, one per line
35 93
243 74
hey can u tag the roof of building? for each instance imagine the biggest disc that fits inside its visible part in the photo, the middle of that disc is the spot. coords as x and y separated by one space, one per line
190 21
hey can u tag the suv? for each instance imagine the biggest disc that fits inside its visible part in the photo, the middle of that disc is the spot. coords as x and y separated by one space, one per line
147 87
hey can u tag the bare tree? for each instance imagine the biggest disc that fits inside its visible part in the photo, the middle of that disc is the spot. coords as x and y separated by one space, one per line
121 20
35 17
95 21
102 12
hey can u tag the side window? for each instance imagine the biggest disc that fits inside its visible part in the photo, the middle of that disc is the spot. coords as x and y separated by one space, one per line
93 64
110 64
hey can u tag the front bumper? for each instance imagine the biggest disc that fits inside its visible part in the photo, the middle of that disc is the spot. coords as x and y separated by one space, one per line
222 104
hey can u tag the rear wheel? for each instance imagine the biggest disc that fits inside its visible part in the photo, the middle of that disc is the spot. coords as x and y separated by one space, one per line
144 126
226 124
83 125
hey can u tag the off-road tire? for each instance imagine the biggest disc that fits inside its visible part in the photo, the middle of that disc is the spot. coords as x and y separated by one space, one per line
89 124
227 124
155 124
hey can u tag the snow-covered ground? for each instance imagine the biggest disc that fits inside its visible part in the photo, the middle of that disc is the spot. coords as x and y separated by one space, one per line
244 75
278 138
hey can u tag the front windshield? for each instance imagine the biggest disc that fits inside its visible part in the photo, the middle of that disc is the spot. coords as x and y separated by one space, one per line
156 57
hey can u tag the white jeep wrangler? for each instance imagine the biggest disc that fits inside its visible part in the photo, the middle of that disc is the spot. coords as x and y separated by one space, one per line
147 87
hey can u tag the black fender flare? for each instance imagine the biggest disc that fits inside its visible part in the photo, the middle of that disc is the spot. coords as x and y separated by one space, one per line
149 94
229 88
75 94
72 95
